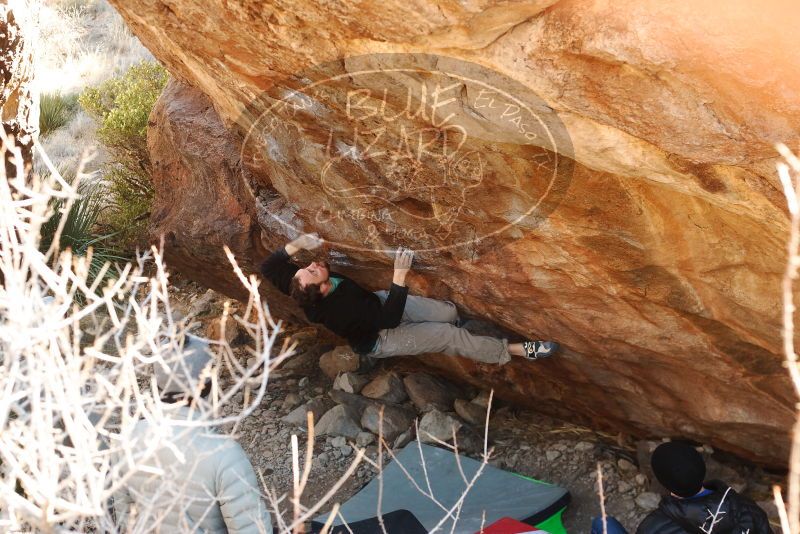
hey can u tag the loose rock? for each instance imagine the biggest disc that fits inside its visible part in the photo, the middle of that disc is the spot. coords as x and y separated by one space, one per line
470 412
395 420
298 416
647 500
386 387
203 304
403 439
338 422
429 393
364 438
214 330
438 425
339 360
356 403
552 455
291 401
482 399
350 382
625 465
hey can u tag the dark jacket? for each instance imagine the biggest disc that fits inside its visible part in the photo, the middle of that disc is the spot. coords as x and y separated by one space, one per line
734 514
350 311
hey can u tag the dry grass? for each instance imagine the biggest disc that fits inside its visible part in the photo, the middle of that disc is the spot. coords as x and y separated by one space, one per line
82 43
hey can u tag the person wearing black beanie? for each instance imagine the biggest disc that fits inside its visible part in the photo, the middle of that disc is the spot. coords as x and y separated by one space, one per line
695 505
679 468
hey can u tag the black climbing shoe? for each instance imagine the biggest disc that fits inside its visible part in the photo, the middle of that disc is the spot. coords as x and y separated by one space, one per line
536 350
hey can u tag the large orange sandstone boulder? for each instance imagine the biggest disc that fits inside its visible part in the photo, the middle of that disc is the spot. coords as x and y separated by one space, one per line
600 173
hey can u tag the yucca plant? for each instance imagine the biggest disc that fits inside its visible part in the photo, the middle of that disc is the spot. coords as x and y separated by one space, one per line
55 111
78 233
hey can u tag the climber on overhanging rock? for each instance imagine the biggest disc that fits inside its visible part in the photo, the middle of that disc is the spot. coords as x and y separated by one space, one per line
386 323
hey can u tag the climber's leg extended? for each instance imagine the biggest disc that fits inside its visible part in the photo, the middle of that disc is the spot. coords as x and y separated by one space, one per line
423 309
418 338
447 338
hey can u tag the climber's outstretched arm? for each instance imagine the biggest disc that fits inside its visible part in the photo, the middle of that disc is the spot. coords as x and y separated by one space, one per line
278 269
392 309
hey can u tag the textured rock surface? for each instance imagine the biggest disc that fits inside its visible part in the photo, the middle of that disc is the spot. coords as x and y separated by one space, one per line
339 360
386 387
659 268
436 425
18 100
391 424
338 421
429 393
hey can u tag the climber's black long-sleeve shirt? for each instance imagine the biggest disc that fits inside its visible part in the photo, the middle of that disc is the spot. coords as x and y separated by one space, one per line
350 311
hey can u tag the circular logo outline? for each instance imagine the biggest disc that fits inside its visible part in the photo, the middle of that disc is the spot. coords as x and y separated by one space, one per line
566 155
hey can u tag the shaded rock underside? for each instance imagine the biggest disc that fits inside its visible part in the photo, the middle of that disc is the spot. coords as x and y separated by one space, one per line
655 261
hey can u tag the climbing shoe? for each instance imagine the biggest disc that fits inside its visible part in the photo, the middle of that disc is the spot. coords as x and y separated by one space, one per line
535 350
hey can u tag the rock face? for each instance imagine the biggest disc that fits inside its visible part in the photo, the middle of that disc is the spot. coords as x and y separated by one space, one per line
599 173
18 100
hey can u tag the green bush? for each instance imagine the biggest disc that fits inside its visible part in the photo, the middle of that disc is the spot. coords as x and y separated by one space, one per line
122 105
55 111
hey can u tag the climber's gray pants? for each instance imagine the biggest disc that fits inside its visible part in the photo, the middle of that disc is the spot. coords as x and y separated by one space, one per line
427 326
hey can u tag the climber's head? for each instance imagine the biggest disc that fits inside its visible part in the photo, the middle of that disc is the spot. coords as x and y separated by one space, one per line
310 283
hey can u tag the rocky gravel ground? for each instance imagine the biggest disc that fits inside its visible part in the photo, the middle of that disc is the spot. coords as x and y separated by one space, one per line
332 383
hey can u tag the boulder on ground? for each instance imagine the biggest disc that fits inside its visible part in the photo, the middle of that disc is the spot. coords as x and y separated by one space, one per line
386 387
482 399
355 403
470 412
350 382
338 421
429 393
298 416
339 360
214 330
436 425
202 304
395 421
365 438
403 439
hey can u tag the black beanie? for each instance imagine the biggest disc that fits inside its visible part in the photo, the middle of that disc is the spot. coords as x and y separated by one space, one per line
679 468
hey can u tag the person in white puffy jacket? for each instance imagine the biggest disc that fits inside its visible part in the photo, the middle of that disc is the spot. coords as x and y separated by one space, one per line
190 479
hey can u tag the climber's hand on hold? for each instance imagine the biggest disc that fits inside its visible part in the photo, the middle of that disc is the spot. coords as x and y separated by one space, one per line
402 264
304 242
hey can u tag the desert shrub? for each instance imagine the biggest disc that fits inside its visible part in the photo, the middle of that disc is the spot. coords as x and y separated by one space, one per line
76 369
122 105
55 111
79 233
